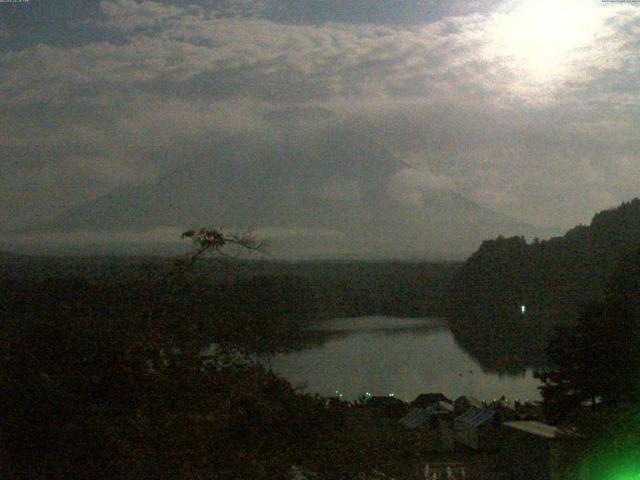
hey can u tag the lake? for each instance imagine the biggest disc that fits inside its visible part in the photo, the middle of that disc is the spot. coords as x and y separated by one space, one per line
403 356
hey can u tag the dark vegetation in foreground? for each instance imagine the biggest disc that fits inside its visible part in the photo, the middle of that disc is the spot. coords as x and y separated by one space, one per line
106 379
111 393
127 393
593 385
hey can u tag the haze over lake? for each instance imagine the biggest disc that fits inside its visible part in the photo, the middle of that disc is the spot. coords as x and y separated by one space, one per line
404 356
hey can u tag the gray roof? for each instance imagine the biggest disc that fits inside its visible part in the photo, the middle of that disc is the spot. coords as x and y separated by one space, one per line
441 407
536 428
420 416
416 418
474 417
425 399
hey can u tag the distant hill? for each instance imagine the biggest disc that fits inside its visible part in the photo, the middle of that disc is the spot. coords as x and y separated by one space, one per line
329 199
553 280
333 288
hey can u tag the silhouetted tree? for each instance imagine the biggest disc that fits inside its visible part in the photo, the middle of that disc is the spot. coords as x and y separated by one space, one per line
126 396
598 357
555 278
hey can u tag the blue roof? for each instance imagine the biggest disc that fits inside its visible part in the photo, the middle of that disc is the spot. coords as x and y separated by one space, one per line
474 417
416 418
420 416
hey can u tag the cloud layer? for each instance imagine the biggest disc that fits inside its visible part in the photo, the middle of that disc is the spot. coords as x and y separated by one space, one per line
539 125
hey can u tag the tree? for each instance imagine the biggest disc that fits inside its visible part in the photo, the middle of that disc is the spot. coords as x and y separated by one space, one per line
598 358
89 394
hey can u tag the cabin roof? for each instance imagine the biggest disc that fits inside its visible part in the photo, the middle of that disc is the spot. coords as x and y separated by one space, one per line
536 428
419 416
439 407
474 417
416 418
426 398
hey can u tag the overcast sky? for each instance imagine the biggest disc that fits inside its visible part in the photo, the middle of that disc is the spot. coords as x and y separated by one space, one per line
527 107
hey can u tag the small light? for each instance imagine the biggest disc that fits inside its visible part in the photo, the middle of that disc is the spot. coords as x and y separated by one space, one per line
523 309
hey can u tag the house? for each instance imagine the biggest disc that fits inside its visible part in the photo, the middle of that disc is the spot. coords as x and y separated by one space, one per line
534 450
441 407
425 400
478 428
436 420
464 403
446 434
427 417
417 418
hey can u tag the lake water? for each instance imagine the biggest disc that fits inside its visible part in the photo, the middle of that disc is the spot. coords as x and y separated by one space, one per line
403 356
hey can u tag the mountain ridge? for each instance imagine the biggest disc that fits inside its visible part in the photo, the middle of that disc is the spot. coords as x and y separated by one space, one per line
330 197
554 280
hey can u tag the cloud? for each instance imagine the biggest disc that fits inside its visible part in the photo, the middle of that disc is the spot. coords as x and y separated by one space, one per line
112 171
410 184
129 15
398 12
283 233
454 89
86 237
166 123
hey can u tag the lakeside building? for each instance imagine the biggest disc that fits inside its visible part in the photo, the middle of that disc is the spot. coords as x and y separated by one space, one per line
417 418
427 417
478 429
438 419
464 403
426 400
533 450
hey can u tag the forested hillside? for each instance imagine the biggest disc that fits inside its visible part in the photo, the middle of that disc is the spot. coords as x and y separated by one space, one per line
225 296
553 280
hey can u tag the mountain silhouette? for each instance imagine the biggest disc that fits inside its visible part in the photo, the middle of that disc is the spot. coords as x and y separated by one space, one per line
328 196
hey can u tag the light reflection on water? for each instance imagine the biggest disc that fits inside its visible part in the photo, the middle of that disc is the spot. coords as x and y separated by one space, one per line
384 355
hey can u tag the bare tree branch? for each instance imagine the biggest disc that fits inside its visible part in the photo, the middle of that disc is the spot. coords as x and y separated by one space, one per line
215 240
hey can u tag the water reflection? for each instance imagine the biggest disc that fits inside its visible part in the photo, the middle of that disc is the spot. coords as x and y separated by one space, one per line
386 355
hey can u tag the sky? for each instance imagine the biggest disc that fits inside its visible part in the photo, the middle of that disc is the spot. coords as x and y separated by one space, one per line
527 109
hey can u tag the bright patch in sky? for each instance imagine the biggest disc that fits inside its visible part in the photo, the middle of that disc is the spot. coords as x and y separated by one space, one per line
542 39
